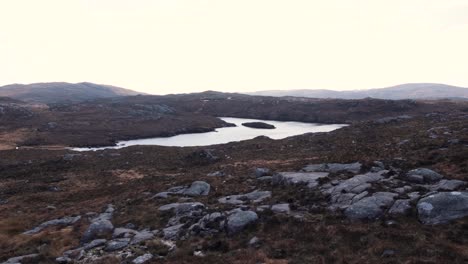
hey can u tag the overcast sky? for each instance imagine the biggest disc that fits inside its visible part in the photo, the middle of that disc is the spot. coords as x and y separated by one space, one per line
168 46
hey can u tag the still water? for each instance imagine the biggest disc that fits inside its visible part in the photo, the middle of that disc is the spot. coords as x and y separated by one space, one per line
228 134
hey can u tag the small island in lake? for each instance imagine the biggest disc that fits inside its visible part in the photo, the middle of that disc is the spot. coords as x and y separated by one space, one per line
260 125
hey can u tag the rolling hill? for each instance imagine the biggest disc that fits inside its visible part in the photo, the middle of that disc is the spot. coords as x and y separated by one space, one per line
403 91
56 92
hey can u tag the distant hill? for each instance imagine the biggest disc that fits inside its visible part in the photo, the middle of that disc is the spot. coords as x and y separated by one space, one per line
403 91
56 92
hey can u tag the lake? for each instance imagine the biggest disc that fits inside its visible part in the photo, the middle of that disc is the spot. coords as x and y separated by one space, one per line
228 134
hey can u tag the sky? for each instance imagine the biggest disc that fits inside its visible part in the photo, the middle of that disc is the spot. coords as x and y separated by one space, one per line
180 46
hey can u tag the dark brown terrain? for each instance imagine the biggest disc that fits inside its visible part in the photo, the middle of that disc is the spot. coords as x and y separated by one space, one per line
39 183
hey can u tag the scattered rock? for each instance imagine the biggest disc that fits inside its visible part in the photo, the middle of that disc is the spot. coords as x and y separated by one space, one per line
94 243
143 259
142 236
440 208
254 197
202 157
400 207
237 221
309 178
198 188
65 221
117 244
334 167
422 175
173 232
20 259
388 253
447 185
98 229
260 172
216 174
182 207
254 242
281 208
370 207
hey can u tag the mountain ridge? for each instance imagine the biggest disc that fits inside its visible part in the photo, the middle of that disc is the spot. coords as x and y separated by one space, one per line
55 92
397 92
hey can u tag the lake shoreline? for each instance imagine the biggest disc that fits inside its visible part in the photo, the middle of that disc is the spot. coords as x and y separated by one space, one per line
223 135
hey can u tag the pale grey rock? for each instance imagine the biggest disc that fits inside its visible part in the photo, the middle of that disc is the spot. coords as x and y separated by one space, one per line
117 244
94 243
254 197
143 259
216 174
120 232
19 259
311 179
446 185
440 208
97 229
142 236
334 167
260 172
198 188
401 206
370 207
281 208
427 174
182 207
239 220
65 221
173 232
265 179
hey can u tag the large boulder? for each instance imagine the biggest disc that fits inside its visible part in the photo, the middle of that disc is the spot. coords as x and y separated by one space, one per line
426 175
237 221
198 188
370 207
442 207
98 229
311 179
